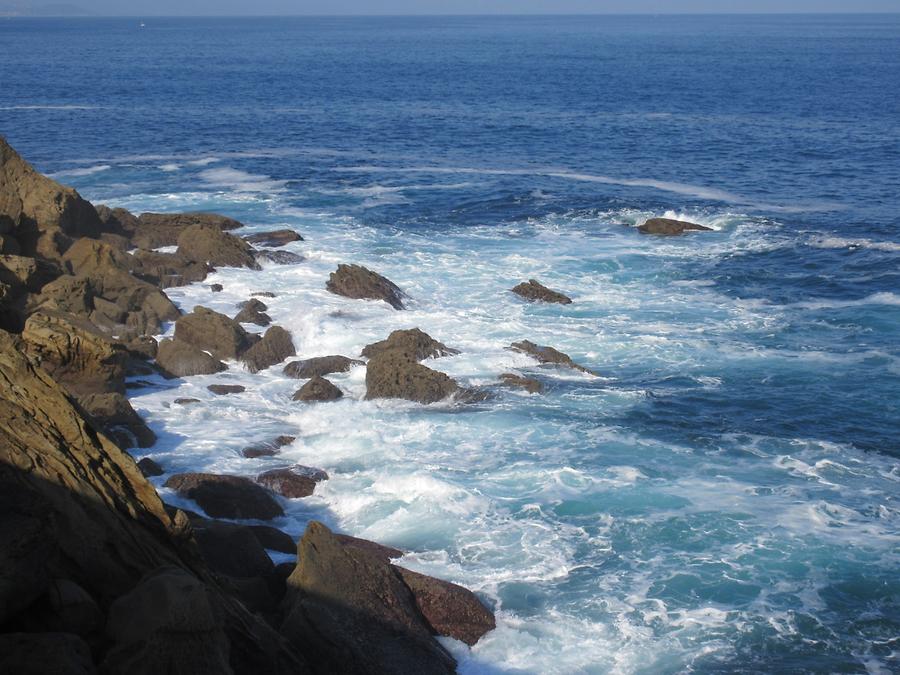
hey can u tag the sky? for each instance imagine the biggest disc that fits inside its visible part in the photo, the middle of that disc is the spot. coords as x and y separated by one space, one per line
368 7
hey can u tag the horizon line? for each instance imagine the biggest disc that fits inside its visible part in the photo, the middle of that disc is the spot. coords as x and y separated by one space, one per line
89 15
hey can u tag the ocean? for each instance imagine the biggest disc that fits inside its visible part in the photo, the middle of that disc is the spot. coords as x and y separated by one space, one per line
725 496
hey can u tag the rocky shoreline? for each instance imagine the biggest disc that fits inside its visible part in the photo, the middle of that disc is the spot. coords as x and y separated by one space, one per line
98 573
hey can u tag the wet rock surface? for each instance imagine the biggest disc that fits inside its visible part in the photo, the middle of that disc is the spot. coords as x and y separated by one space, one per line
273 238
529 384
292 482
317 389
213 332
548 355
360 283
177 358
226 496
416 344
209 244
320 365
535 291
670 227
276 346
225 389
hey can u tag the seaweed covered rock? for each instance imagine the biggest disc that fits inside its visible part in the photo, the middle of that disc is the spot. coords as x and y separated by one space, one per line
535 291
358 282
669 227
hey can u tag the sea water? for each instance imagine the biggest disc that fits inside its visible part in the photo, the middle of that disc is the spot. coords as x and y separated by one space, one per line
723 497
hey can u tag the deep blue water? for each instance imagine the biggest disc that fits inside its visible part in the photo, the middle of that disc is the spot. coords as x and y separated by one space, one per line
725 498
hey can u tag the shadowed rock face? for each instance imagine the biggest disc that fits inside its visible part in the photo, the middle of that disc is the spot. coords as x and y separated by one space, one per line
363 606
319 365
226 496
669 227
417 344
355 281
548 355
58 653
113 414
317 389
275 347
535 291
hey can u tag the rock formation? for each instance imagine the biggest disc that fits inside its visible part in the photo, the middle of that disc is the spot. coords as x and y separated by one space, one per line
318 389
319 365
536 292
548 355
669 227
355 281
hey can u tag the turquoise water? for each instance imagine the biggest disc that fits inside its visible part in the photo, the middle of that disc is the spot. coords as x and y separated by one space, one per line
724 497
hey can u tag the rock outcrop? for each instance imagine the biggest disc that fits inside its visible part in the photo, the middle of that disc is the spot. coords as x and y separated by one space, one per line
548 355
292 482
208 243
177 358
669 227
319 365
225 389
529 384
155 230
226 496
535 291
273 238
275 346
215 333
317 389
417 344
357 282
395 374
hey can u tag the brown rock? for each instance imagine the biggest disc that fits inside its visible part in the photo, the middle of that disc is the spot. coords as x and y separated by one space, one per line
155 230
215 333
548 355
209 244
267 449
264 294
149 468
319 365
168 269
451 610
669 227
395 374
317 389
177 358
30 273
274 238
253 305
186 401
216 288
226 496
279 257
535 291
380 551
415 343
90 257
66 608
275 347
529 384
292 482
355 281
225 389
360 602
113 414
251 315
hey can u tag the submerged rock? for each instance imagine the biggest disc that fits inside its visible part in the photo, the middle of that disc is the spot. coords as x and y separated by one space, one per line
415 343
267 449
225 389
207 243
275 346
529 384
357 282
226 496
279 257
533 290
177 358
317 389
292 482
274 238
669 227
319 365
548 355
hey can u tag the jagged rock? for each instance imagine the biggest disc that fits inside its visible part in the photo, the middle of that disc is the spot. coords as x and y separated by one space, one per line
548 355
231 549
225 389
210 331
30 273
355 281
529 384
396 374
254 316
363 606
273 239
149 468
38 212
155 230
275 347
168 269
451 610
417 344
317 389
273 539
186 401
319 365
41 653
279 257
669 226
177 358
226 496
208 243
170 623
535 291
267 449
292 482
216 288
75 353
113 414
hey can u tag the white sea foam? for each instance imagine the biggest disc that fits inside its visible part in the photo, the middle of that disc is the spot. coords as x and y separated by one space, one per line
86 171
854 243
240 181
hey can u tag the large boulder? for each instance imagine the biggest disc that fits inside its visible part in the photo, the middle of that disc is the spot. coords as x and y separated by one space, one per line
75 353
211 331
548 355
413 342
113 414
155 230
177 358
208 243
226 496
355 281
319 365
535 291
363 606
317 389
39 213
275 346
396 374
669 227
292 482
273 238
